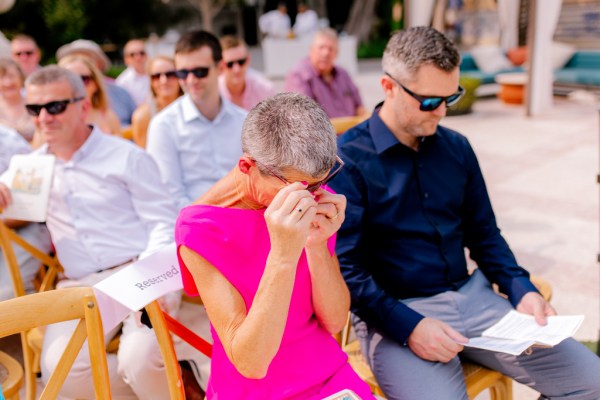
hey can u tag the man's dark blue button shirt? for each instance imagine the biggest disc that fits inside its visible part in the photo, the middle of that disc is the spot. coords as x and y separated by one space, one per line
409 218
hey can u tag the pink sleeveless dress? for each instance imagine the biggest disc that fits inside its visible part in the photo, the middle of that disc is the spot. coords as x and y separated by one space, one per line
309 363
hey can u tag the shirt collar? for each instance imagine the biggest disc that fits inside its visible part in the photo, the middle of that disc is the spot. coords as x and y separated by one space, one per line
382 136
85 149
191 112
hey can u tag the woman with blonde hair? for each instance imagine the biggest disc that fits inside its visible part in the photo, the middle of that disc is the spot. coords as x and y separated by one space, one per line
12 104
100 113
165 89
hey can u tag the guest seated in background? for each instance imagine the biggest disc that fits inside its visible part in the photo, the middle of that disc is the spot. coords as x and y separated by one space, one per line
258 249
197 139
239 83
164 89
134 78
329 85
276 23
107 207
100 114
120 101
26 53
307 21
12 105
12 143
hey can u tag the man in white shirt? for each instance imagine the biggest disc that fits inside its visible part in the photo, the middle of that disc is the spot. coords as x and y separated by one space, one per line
11 143
238 83
197 139
276 23
307 21
107 207
134 78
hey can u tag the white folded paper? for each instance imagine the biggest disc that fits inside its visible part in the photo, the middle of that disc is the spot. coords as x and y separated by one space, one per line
516 332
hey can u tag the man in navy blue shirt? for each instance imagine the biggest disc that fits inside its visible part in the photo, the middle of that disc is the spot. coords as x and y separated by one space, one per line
416 200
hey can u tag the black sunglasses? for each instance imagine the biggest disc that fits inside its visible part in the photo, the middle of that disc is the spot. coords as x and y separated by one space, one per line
314 186
86 79
27 53
137 53
53 108
199 72
240 62
167 74
430 103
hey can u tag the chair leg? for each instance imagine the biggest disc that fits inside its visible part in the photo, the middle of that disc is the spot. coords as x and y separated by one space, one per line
502 389
29 369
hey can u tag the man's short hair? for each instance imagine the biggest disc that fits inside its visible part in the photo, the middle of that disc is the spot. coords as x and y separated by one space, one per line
54 73
231 41
329 33
25 38
196 39
409 49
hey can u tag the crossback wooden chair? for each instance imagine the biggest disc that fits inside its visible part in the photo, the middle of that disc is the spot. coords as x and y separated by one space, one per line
22 314
477 377
50 267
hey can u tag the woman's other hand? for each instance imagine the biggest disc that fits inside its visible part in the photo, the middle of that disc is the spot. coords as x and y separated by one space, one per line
289 219
331 211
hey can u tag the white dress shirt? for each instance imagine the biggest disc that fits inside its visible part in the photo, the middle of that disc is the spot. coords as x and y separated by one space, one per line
107 205
137 85
192 152
275 24
307 23
11 143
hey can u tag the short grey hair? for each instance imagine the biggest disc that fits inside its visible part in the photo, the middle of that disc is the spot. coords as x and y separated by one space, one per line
327 33
414 47
290 131
54 73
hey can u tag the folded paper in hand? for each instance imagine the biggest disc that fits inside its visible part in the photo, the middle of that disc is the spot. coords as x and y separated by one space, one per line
29 178
516 332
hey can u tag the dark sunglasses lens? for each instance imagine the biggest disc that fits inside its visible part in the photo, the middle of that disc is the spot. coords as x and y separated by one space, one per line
182 73
168 75
33 109
314 187
452 100
56 107
200 72
431 104
241 63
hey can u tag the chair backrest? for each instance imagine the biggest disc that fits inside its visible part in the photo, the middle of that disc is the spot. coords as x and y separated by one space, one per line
342 124
8 238
24 313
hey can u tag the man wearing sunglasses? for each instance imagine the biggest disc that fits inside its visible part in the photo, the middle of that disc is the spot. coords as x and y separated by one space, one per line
26 53
239 83
197 139
416 199
107 207
134 78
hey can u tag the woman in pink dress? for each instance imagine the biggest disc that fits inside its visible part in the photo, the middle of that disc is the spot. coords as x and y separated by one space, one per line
259 249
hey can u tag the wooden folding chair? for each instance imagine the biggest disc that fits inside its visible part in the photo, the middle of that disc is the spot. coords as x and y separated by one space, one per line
24 313
477 377
49 269
11 376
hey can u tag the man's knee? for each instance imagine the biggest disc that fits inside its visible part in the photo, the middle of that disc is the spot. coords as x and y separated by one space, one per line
139 352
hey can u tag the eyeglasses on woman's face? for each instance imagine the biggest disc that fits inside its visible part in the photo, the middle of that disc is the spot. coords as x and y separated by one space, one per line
430 103
168 75
313 187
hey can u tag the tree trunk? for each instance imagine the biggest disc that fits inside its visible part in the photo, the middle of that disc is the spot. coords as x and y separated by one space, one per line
362 17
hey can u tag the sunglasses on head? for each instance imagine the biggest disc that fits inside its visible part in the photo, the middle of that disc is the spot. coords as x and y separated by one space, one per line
239 62
52 108
430 103
140 53
313 187
168 74
28 53
198 72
